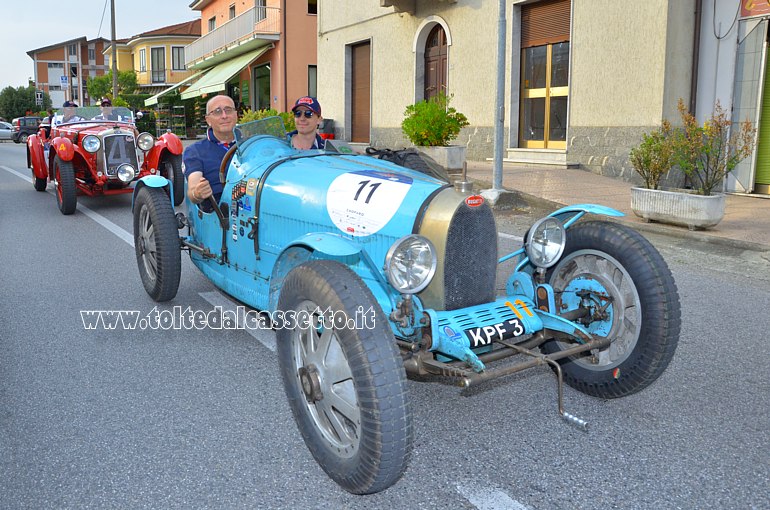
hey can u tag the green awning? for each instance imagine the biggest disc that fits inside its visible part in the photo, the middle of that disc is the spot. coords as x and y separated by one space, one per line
217 77
154 99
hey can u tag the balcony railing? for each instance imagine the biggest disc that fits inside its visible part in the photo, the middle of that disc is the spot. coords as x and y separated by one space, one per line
257 22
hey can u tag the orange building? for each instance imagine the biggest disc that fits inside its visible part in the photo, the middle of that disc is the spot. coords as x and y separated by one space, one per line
62 69
262 53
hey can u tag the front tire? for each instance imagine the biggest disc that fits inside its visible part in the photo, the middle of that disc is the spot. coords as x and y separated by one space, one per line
66 191
346 385
642 316
172 170
156 243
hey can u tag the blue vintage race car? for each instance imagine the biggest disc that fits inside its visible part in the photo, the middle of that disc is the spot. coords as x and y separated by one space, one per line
371 271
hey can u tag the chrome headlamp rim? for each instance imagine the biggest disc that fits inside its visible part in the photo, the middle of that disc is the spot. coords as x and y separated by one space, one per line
126 172
427 276
91 143
145 141
545 242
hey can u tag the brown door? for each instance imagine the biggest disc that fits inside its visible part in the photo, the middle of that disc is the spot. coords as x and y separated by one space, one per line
435 62
360 93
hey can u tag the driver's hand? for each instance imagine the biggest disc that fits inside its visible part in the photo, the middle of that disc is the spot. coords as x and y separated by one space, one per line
203 189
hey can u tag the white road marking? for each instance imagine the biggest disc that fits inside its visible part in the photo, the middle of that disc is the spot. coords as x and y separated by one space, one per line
489 499
98 218
510 236
265 336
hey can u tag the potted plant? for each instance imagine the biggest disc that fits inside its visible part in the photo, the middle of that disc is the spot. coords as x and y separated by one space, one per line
430 125
706 154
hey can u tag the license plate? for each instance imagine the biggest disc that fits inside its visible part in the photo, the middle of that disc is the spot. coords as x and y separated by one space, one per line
485 335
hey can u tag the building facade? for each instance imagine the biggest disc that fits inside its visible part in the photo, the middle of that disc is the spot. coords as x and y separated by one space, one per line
62 69
262 53
156 56
581 87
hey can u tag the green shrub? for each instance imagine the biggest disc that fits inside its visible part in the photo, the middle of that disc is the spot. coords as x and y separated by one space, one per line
251 115
433 122
654 156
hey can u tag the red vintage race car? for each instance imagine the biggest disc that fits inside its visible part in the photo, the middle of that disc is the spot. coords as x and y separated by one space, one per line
98 151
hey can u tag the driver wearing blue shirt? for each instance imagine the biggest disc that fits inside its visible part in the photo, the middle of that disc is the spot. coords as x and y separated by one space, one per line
202 159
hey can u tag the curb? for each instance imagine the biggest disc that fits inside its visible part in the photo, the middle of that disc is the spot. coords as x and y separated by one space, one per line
514 199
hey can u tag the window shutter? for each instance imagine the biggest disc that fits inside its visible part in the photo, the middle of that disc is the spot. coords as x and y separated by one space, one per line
545 22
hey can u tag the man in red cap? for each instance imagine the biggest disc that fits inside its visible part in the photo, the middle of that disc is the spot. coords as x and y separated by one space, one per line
307 116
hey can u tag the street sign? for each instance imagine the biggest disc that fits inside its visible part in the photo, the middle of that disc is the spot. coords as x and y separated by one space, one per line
39 97
64 79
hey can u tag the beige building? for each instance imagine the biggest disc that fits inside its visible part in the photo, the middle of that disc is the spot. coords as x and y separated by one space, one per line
156 56
580 85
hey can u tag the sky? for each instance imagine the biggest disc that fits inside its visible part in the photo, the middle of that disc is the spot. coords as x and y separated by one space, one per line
33 24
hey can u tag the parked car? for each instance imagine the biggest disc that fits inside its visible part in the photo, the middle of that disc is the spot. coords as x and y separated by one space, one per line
92 156
6 131
23 127
370 271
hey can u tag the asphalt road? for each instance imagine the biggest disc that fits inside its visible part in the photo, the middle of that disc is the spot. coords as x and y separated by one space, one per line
197 418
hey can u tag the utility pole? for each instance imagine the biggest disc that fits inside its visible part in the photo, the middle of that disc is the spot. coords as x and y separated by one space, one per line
114 55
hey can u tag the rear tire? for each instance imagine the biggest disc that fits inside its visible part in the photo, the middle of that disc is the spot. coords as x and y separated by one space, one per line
643 316
345 384
172 170
40 184
23 138
66 191
156 242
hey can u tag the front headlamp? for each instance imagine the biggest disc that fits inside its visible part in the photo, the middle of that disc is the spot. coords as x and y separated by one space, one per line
145 141
91 143
545 242
126 172
411 263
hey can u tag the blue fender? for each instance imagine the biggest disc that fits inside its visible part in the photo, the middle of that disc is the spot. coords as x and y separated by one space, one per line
571 213
153 181
327 245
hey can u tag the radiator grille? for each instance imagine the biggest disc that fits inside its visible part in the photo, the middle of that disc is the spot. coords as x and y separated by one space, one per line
119 150
470 263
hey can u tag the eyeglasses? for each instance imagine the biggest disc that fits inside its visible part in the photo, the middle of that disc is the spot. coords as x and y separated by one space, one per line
227 110
308 113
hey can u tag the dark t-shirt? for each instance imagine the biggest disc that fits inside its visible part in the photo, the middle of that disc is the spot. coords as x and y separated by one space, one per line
318 144
206 156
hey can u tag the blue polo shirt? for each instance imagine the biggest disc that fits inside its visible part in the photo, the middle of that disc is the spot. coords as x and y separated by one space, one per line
206 156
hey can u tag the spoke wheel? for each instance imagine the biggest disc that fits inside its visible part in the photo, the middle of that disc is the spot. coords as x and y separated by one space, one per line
172 170
156 243
345 382
630 293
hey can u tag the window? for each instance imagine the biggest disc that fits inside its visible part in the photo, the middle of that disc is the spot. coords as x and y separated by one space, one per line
177 58
312 6
312 81
158 64
55 65
232 11
262 87
54 87
261 9
91 54
73 49
212 23
142 61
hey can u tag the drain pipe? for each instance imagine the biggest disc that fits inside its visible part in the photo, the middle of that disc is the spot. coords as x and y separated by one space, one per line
695 56
497 171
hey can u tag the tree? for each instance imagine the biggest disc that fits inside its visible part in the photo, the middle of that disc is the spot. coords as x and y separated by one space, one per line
101 86
16 102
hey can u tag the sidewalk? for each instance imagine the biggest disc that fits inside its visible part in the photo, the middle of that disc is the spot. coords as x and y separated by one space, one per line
746 224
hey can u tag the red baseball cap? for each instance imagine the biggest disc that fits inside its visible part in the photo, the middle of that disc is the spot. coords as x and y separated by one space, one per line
309 102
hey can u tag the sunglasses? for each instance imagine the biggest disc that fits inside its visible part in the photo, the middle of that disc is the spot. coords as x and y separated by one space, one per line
308 114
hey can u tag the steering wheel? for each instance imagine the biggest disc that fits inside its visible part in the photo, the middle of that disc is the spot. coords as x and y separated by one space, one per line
225 162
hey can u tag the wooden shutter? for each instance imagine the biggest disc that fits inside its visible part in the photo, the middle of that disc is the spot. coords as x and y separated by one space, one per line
361 95
545 22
